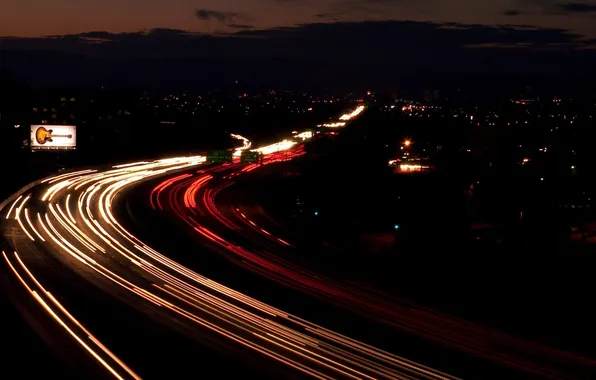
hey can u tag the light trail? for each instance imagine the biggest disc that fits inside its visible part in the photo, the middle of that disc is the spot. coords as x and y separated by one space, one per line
78 233
181 291
261 230
12 206
19 221
85 339
333 125
246 144
304 135
88 223
31 226
276 147
401 314
353 114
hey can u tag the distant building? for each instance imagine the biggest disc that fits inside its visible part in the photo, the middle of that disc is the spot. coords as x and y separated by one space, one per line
68 106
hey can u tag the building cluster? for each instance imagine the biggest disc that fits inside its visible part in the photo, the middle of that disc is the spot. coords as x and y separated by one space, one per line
243 103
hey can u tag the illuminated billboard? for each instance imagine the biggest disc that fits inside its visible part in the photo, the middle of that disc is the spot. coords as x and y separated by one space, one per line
53 137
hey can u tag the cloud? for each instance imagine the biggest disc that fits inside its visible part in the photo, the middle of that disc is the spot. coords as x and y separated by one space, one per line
512 12
557 7
322 54
222 17
240 26
574 7
298 2
329 16
323 38
376 5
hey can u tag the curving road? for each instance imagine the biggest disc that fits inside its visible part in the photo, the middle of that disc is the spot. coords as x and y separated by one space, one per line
70 217
206 203
69 253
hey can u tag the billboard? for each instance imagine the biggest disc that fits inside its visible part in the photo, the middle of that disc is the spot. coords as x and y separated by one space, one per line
52 137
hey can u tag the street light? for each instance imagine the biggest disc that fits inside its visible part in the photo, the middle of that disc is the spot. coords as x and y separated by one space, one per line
407 143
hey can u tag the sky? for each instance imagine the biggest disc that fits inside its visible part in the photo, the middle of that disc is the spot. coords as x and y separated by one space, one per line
34 18
322 42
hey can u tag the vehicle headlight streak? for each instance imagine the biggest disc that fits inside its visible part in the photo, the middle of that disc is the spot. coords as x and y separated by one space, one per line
12 206
353 114
83 337
304 135
276 147
308 348
88 232
245 144
91 234
430 324
333 125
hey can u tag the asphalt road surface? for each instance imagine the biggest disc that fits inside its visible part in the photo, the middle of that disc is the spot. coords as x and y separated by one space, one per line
77 262
108 295
206 203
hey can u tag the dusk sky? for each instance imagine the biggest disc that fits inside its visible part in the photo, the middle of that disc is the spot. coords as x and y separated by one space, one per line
295 42
34 18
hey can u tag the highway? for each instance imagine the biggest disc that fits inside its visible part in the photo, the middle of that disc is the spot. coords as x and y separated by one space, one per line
206 203
72 255
69 218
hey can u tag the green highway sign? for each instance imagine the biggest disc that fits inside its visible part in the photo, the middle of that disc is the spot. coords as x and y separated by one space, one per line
249 157
220 156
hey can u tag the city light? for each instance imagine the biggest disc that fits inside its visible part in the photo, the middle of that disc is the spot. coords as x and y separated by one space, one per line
407 143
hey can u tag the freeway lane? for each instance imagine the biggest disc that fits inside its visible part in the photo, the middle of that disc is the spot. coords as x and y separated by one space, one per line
70 218
205 202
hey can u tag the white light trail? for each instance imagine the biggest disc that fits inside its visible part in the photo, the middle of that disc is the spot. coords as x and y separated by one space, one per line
245 144
277 147
178 290
353 114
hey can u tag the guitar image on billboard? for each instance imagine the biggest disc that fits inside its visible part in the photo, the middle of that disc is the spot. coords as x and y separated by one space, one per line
53 137
43 135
